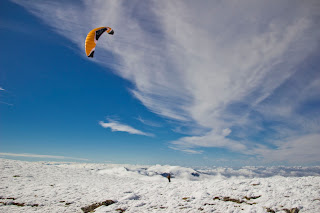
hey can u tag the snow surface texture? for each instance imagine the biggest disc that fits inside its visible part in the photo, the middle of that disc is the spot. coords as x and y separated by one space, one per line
67 187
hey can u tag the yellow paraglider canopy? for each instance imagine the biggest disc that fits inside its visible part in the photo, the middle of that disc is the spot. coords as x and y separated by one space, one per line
92 39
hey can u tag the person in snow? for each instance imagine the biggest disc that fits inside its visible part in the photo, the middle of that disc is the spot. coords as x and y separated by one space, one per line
169 177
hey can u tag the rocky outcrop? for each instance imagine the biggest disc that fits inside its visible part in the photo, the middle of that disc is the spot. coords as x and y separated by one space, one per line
92 207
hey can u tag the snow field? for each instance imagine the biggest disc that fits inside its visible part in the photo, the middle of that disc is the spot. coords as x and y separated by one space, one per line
67 187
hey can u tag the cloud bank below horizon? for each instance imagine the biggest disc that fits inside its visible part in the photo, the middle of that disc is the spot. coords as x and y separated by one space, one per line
27 155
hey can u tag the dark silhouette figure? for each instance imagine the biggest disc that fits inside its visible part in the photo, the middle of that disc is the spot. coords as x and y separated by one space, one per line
169 177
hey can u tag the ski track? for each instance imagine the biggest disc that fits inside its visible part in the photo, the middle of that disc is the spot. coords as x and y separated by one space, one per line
66 187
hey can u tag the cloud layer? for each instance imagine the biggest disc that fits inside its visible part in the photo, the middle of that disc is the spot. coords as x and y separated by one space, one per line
238 70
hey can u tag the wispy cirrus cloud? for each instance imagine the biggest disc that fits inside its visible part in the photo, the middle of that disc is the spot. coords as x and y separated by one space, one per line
304 147
27 155
238 70
148 122
118 127
3 102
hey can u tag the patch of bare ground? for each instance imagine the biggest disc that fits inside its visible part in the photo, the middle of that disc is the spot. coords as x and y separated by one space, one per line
228 199
92 207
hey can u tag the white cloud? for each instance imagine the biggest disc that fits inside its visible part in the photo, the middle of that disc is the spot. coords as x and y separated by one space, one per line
215 64
1 89
40 156
118 127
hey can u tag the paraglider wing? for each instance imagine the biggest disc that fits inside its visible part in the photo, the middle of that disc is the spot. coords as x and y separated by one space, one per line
92 39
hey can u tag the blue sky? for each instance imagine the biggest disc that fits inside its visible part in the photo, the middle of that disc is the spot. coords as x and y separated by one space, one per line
204 83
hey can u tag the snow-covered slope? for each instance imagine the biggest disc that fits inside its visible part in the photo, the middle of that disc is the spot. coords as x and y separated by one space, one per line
68 187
